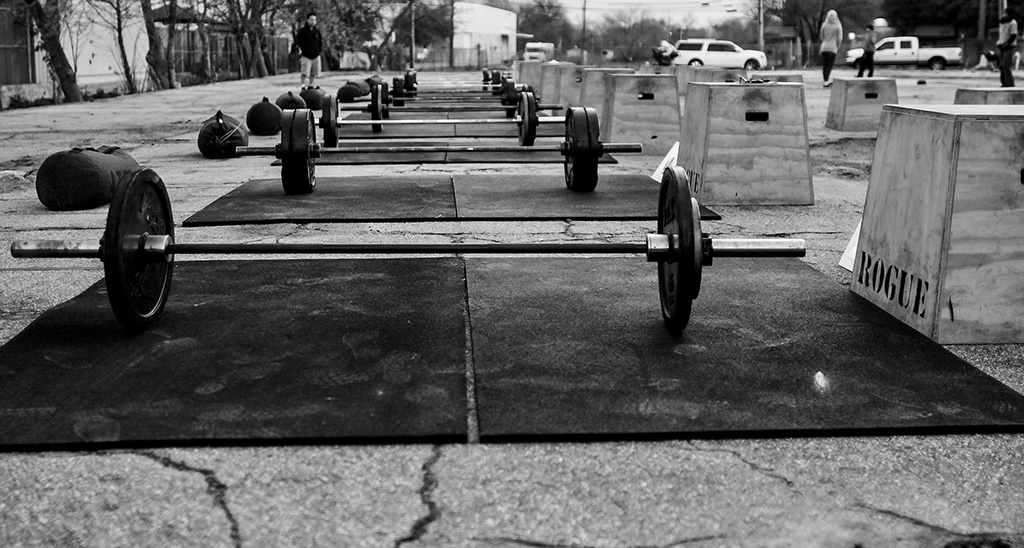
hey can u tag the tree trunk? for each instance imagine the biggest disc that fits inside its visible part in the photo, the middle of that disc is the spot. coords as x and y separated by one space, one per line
47 20
172 31
204 44
126 65
243 55
155 57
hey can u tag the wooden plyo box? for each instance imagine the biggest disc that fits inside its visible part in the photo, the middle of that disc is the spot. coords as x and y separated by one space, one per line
550 80
570 83
855 103
989 96
642 108
776 76
681 72
746 144
708 74
595 87
941 245
526 72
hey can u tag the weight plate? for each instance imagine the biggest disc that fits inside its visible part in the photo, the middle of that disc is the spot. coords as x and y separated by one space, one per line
410 81
528 120
137 287
385 93
582 149
329 121
376 109
298 169
678 275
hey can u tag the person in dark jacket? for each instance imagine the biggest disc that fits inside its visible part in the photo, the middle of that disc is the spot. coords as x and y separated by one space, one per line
310 43
1007 46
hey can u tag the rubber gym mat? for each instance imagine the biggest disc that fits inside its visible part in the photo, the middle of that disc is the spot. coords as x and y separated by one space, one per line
574 349
619 196
404 131
351 199
250 352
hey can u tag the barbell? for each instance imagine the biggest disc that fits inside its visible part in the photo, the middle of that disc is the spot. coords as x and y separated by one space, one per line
581 150
526 119
138 249
379 107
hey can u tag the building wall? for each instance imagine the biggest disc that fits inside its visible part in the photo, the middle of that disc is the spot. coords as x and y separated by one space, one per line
483 34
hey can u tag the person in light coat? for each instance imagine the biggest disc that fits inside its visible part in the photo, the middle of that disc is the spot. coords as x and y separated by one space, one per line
831 37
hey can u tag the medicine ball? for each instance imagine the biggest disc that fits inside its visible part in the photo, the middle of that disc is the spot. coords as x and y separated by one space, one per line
263 118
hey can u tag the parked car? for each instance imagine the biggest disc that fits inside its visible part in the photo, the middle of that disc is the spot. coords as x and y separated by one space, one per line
718 53
907 51
539 51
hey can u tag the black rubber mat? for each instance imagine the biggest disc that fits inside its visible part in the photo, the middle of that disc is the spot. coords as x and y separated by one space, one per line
305 351
336 199
417 198
574 349
503 129
618 196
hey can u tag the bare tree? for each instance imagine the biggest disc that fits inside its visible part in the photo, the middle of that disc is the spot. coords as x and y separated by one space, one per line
48 22
172 29
155 57
204 41
116 14
75 21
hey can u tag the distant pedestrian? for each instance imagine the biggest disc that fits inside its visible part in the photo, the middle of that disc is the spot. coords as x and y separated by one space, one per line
310 43
868 59
831 37
1007 46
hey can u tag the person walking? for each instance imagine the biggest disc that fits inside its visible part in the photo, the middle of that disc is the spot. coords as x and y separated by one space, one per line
868 59
1007 46
831 36
310 43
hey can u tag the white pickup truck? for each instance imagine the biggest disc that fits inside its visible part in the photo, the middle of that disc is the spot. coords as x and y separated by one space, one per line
906 50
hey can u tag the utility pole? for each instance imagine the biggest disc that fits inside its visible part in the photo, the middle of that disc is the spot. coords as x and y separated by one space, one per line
760 24
451 39
981 20
412 34
583 44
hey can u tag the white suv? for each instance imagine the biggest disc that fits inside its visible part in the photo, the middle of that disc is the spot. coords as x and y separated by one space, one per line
718 53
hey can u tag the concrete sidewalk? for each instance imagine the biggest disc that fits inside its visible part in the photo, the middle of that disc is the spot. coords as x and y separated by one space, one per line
815 492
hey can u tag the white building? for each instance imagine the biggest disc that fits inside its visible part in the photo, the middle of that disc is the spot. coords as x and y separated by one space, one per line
484 36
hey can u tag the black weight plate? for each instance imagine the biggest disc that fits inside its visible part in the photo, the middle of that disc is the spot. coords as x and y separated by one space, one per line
410 81
678 279
298 169
376 108
136 286
528 120
385 93
582 149
329 121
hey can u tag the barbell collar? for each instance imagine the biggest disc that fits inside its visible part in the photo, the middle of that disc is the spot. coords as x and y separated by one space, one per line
55 249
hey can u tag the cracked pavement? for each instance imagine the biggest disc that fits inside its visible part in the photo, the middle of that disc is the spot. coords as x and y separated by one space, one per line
884 491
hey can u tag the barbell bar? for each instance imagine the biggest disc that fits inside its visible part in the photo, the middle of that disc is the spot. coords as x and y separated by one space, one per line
581 150
526 119
138 249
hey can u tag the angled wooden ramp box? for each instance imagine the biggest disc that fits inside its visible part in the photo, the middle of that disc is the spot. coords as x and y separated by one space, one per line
941 245
571 82
723 75
776 76
595 87
855 103
989 96
746 144
642 108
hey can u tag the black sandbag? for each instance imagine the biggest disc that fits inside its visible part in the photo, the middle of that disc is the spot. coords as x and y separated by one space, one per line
375 80
314 97
364 87
220 135
263 118
290 101
81 178
348 93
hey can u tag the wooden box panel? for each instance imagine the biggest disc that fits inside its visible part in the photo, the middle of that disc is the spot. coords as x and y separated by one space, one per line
571 82
550 74
856 103
595 87
777 76
642 108
747 144
941 244
681 72
720 75
989 96
528 73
